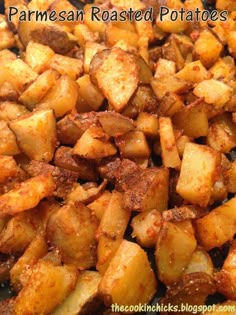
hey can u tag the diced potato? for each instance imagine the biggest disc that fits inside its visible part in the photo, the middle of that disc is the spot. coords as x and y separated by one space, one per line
68 131
36 250
63 158
200 262
217 227
129 268
214 92
36 134
171 26
192 119
83 34
196 180
115 124
231 43
180 143
38 56
116 74
183 213
8 145
8 168
193 72
149 191
94 144
89 96
222 133
226 5
11 110
223 68
90 49
62 97
99 205
66 65
170 104
115 34
133 144
225 279
174 249
164 67
148 124
146 226
72 230
27 195
144 28
168 84
19 231
7 37
231 178
38 89
201 47
145 72
83 297
6 55
46 287
169 152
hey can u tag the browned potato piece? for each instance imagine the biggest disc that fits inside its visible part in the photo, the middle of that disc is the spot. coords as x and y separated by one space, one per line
196 180
64 158
192 290
148 124
11 110
89 96
84 298
6 55
72 230
99 205
225 279
90 49
38 56
169 152
7 306
128 268
193 72
47 286
19 231
66 65
170 104
174 249
7 37
38 89
46 33
36 134
62 97
94 144
8 145
36 250
116 74
183 213
218 227
115 124
146 226
8 168
27 195
115 35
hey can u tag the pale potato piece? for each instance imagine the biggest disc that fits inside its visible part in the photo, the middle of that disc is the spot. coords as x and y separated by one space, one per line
116 74
196 180
231 43
83 297
99 205
167 25
213 92
118 37
148 124
90 49
226 5
47 286
129 268
193 72
27 195
67 65
164 67
7 37
36 134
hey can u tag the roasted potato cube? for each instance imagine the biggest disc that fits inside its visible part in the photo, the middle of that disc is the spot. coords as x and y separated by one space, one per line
164 67
129 266
11 111
170 104
7 37
46 287
223 68
146 226
68 131
36 250
94 144
116 74
90 49
133 144
36 134
193 72
19 231
231 43
171 26
8 145
169 151
148 124
84 297
231 178
115 124
72 230
27 195
93 24
89 96
62 97
217 227
226 5
213 92
66 65
196 180
99 205
174 249
38 56
38 89
83 34
201 48
115 34
8 168
6 55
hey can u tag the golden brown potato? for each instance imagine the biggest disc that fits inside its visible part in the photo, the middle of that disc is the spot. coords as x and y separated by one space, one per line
8 168
185 212
8 145
90 49
6 264
119 71
36 134
47 286
174 249
116 34
27 195
217 227
11 110
99 205
72 230
115 124
7 37
148 124
193 72
129 266
84 298
66 65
